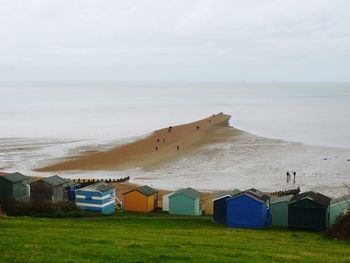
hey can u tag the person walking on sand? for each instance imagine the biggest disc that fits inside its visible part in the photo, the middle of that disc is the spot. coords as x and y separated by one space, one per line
157 140
288 175
163 139
178 147
294 174
156 148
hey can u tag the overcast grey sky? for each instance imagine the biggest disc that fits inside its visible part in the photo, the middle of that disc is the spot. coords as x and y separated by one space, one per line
180 40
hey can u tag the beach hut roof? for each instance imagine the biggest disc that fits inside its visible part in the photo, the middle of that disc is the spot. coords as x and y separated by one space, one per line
32 180
345 198
15 177
99 187
55 180
280 199
221 197
257 194
190 192
146 190
219 194
170 193
316 197
71 183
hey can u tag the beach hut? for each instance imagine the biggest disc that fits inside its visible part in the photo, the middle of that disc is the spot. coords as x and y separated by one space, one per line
72 187
49 190
279 210
220 210
207 203
99 197
165 202
249 209
185 202
14 185
338 206
141 199
309 211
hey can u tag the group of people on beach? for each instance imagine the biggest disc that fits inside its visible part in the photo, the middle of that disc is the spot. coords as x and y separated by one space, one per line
158 140
170 128
289 175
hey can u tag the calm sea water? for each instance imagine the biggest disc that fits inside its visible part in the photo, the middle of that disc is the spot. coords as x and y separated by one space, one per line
312 113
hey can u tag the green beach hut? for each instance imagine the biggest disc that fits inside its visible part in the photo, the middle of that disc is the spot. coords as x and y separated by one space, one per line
14 185
338 207
185 202
279 210
309 211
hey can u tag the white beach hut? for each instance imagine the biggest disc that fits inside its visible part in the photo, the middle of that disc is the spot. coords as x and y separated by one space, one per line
165 202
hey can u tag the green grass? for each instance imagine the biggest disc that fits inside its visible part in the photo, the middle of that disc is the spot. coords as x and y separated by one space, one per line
125 239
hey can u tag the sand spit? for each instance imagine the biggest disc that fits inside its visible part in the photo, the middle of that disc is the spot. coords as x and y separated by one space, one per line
161 146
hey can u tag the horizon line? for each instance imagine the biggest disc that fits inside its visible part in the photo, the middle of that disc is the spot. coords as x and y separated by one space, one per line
182 81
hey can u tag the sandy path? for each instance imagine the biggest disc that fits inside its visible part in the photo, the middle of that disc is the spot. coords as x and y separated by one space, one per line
161 146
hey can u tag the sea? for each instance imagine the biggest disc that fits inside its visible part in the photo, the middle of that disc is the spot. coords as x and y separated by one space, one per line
43 121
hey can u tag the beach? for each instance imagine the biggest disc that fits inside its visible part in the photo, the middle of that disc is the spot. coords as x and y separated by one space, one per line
274 128
214 157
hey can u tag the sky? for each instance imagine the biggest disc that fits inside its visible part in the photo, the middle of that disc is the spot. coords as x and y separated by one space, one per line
180 40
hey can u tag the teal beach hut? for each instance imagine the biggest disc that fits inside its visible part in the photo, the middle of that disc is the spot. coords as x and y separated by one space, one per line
338 207
98 197
279 210
185 202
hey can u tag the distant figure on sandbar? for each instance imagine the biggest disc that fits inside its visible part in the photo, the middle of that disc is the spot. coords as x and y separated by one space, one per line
156 148
158 140
288 177
178 147
209 120
197 127
170 128
294 174
163 139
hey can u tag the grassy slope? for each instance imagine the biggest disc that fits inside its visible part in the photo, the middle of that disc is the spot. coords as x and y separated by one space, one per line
158 240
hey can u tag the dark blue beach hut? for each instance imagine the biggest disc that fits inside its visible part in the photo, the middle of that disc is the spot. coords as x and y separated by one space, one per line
249 209
220 210
72 187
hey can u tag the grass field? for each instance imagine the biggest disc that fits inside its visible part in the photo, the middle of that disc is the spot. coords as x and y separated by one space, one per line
158 240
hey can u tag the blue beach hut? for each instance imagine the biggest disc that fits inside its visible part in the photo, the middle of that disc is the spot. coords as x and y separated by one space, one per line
98 197
220 209
248 209
72 187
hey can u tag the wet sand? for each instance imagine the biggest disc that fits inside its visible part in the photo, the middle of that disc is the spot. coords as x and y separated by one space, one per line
161 146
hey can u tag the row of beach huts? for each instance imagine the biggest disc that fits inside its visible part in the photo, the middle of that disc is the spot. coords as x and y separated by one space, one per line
236 209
